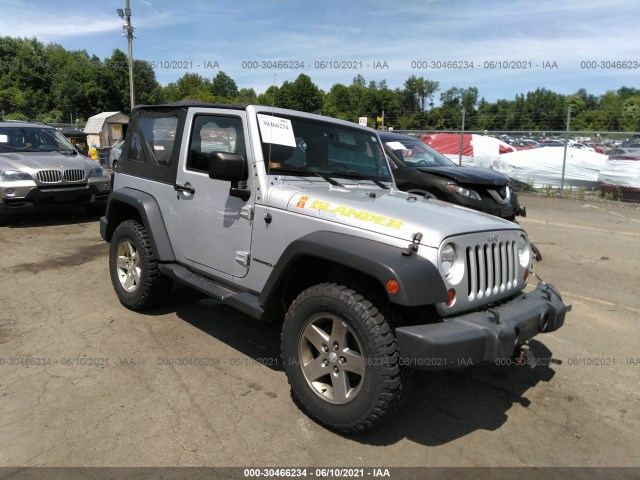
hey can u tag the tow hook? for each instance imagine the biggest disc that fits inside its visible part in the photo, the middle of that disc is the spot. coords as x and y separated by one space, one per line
523 355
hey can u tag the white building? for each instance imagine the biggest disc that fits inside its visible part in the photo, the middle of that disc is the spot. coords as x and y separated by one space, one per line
106 128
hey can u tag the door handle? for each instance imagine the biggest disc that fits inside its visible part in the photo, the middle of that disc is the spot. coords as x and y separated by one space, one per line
184 188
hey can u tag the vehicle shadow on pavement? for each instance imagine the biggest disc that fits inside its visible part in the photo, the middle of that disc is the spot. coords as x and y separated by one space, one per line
51 218
259 341
442 407
448 405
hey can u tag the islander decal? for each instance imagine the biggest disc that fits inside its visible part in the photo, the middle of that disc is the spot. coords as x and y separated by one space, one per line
325 209
302 201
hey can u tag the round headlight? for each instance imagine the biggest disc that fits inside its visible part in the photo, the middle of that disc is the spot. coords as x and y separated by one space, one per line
524 251
447 259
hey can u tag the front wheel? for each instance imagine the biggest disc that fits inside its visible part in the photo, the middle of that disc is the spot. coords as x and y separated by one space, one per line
135 276
341 359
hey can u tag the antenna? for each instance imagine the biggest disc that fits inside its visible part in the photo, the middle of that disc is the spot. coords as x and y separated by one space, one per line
267 216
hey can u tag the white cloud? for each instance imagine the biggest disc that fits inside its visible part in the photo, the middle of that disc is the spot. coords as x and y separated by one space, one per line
20 19
364 30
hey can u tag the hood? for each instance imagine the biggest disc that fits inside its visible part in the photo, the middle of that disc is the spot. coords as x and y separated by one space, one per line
469 175
394 213
44 161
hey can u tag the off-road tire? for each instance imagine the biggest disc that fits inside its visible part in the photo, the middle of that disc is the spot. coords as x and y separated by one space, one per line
149 286
379 390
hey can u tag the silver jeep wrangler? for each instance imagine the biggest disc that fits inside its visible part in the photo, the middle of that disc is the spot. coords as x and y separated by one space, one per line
288 215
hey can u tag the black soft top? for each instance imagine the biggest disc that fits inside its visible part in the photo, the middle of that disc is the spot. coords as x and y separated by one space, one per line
193 103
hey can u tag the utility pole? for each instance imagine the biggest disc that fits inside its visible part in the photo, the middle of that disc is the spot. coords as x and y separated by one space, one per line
128 29
464 111
564 155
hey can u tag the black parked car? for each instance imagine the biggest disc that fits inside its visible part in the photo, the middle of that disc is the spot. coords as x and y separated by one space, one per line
420 169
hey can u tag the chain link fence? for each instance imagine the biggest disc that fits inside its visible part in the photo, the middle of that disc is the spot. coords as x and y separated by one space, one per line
601 165
577 164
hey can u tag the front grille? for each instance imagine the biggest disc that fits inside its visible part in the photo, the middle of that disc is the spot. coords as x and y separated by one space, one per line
501 195
74 175
491 269
56 176
50 176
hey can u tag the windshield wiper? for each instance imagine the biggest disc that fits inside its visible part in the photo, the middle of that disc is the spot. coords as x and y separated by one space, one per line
355 173
67 152
322 175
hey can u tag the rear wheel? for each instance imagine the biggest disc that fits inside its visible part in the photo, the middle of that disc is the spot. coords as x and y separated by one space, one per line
341 359
134 269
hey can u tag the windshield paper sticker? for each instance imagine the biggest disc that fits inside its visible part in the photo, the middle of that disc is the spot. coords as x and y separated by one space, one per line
396 146
276 130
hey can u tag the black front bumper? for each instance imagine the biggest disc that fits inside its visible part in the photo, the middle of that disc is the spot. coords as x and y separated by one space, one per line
484 336
51 198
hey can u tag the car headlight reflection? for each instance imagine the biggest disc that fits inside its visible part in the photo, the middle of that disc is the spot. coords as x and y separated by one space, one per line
524 251
97 172
447 258
14 175
465 192
451 264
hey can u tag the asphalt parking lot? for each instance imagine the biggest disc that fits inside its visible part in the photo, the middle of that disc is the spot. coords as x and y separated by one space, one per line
86 382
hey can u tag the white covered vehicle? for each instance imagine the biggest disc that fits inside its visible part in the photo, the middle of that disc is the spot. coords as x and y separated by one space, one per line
620 175
542 167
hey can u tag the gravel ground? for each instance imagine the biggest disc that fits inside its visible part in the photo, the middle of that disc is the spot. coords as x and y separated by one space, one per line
85 382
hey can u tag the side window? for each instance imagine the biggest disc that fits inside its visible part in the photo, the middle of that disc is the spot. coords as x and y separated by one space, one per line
159 133
136 153
214 133
155 138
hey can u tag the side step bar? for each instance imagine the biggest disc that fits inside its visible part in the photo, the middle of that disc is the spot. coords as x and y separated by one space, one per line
244 301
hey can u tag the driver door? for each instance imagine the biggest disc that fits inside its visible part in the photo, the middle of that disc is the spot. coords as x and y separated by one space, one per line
213 229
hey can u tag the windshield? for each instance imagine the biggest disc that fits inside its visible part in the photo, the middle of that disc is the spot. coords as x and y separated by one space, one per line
414 153
34 139
300 146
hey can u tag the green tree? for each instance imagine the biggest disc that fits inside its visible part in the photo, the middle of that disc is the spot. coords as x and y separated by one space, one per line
191 86
115 82
224 86
418 93
246 95
24 79
359 81
269 97
611 108
147 89
301 94
631 114
337 102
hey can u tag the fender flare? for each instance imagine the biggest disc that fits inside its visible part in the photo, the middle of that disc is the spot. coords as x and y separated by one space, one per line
149 211
420 281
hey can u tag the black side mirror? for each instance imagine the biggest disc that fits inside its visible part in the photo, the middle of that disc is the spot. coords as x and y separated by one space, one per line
227 166
230 167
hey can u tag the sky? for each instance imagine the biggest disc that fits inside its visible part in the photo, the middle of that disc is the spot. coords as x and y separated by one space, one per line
502 47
